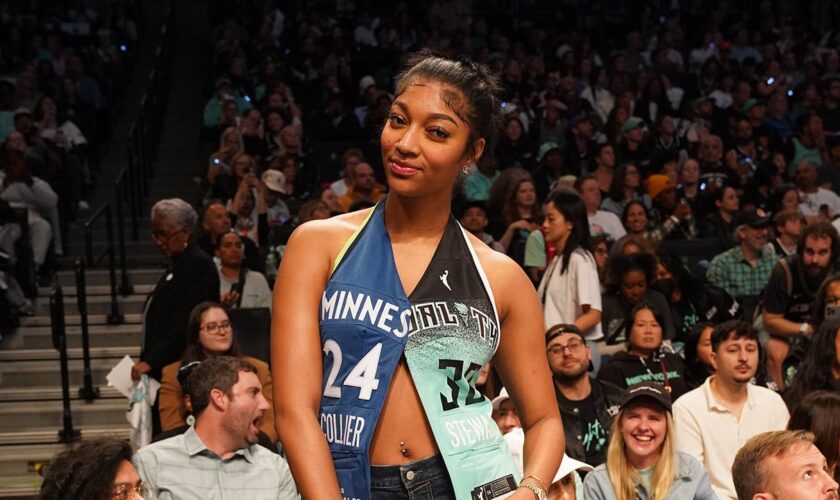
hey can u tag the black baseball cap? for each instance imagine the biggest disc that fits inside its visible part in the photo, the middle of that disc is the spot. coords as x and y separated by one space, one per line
650 390
561 328
755 218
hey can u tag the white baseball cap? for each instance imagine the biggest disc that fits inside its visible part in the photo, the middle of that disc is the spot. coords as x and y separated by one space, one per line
516 441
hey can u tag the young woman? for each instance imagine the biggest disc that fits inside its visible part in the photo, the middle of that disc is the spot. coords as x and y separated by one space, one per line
642 461
817 413
821 367
628 280
570 288
720 224
382 311
209 334
520 210
645 360
625 187
698 354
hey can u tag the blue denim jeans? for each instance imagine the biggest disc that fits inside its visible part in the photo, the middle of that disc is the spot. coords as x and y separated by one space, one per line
425 479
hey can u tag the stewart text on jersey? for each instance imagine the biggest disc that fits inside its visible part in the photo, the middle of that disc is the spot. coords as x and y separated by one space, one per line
447 330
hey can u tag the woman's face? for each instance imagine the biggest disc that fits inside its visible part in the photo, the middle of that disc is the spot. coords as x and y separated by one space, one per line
690 172
231 141
633 286
637 219
244 164
631 178
48 108
790 201
556 227
704 348
513 130
646 332
215 338
644 426
329 199
289 170
729 203
526 196
601 254
275 122
424 142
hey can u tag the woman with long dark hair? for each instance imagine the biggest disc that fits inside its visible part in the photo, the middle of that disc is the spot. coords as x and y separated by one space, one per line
209 334
383 318
570 288
821 367
625 187
817 413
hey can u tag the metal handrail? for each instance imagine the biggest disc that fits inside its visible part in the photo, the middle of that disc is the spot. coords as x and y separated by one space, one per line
115 318
87 391
120 187
59 337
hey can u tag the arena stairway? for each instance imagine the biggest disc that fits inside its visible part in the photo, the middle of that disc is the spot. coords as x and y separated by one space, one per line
30 383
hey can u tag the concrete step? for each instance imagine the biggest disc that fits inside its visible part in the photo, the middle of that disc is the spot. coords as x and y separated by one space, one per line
27 374
17 417
69 289
132 261
13 355
71 319
144 246
93 277
96 304
51 393
40 337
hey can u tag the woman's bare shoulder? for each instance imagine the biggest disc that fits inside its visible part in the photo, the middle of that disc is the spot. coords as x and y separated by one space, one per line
327 235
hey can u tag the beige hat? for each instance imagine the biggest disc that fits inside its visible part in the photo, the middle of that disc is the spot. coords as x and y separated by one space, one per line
274 180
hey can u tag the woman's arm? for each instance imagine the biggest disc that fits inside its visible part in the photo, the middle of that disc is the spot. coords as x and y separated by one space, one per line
588 319
523 366
507 238
296 360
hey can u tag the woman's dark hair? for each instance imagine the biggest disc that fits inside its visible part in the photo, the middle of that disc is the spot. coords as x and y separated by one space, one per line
616 192
194 350
631 318
718 194
571 206
778 195
815 372
85 470
476 83
817 413
818 308
695 372
619 265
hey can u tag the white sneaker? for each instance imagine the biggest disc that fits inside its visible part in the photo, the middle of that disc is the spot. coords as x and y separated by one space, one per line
83 205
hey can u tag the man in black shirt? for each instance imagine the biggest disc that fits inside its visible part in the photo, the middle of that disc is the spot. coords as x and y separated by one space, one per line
792 289
587 406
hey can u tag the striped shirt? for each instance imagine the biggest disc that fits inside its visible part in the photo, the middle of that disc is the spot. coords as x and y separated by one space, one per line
731 271
182 468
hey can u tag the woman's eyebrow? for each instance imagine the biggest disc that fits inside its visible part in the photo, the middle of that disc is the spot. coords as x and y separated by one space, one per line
433 116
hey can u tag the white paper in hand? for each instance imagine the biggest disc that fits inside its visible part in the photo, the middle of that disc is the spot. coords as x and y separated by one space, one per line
120 377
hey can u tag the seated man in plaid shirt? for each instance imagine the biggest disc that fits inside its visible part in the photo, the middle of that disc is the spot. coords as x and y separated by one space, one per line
744 270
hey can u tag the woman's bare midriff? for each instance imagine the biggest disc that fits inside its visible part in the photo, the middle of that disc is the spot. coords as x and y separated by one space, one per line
403 420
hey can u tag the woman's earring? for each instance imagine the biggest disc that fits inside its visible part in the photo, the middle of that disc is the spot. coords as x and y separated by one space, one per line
468 168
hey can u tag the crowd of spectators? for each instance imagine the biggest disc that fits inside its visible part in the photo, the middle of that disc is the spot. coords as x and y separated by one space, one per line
63 69
666 177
